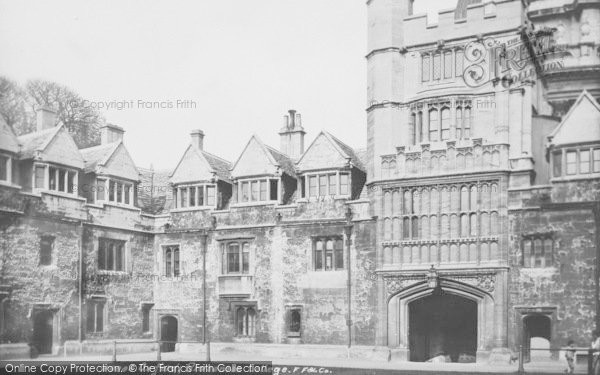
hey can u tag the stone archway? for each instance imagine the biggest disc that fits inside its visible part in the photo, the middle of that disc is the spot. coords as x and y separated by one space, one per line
479 298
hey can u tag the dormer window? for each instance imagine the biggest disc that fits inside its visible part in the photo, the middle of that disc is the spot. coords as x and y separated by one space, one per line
114 191
258 190
573 162
195 196
332 184
59 179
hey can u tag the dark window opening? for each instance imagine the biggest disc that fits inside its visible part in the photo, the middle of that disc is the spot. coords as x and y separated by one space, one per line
245 321
95 315
46 246
235 257
146 310
328 253
111 254
171 261
294 322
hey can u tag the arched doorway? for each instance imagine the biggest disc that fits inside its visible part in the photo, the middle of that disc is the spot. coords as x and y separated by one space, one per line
442 324
168 333
537 335
43 331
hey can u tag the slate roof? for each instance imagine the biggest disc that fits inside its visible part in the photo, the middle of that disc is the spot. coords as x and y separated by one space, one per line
348 152
92 156
36 141
284 161
220 166
154 191
8 139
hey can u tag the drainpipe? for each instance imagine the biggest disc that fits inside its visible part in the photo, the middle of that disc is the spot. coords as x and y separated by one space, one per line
204 237
80 285
348 232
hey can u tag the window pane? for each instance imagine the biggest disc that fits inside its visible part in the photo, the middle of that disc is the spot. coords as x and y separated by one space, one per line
339 254
433 125
274 189
119 192
111 191
344 184
319 255
168 262
557 164
254 191
459 122
127 192
597 160
425 68
210 196
437 66
294 321
447 64
459 63
332 184
571 162
71 182
119 257
176 262
192 196
233 258
53 182
467 123
584 161
46 250
312 186
200 195
40 176
99 316
101 255
4 168
322 186
263 190
110 259
246 258
184 197
91 316
329 255
445 124
245 191
61 180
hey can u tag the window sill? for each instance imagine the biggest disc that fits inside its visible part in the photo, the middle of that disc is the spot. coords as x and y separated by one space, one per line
234 275
10 185
111 272
253 204
59 194
192 209
576 177
119 205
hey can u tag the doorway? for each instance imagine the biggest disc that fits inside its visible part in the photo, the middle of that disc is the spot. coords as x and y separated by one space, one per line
443 325
43 327
168 333
537 336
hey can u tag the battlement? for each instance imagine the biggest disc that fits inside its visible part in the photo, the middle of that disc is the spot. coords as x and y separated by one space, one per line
484 18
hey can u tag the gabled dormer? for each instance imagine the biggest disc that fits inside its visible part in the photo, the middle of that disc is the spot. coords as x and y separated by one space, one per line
574 146
330 169
201 180
110 175
49 159
263 175
9 150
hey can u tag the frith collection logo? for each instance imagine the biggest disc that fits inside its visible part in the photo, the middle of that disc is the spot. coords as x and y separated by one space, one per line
515 60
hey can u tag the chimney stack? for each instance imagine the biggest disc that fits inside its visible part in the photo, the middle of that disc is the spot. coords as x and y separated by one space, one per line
198 138
292 135
110 133
46 118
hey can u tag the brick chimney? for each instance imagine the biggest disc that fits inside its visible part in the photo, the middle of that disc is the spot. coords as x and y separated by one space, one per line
292 135
197 136
46 118
110 133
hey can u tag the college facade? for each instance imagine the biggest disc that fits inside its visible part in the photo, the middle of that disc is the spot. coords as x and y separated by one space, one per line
468 227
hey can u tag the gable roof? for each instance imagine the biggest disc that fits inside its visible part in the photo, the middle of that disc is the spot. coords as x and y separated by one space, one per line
8 139
216 165
53 145
275 158
111 158
580 124
343 150
97 155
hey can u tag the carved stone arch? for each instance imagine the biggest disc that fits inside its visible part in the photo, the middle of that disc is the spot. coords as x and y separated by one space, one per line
402 291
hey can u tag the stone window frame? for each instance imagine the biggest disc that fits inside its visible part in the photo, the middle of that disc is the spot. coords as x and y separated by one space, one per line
104 191
336 239
448 64
201 193
317 177
561 171
99 304
244 251
288 321
531 261
46 256
6 168
146 309
248 330
124 254
174 269
68 171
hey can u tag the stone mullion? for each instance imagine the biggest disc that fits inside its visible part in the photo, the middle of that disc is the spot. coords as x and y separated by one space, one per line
478 243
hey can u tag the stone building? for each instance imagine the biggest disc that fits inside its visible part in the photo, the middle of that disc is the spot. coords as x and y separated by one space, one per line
469 224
